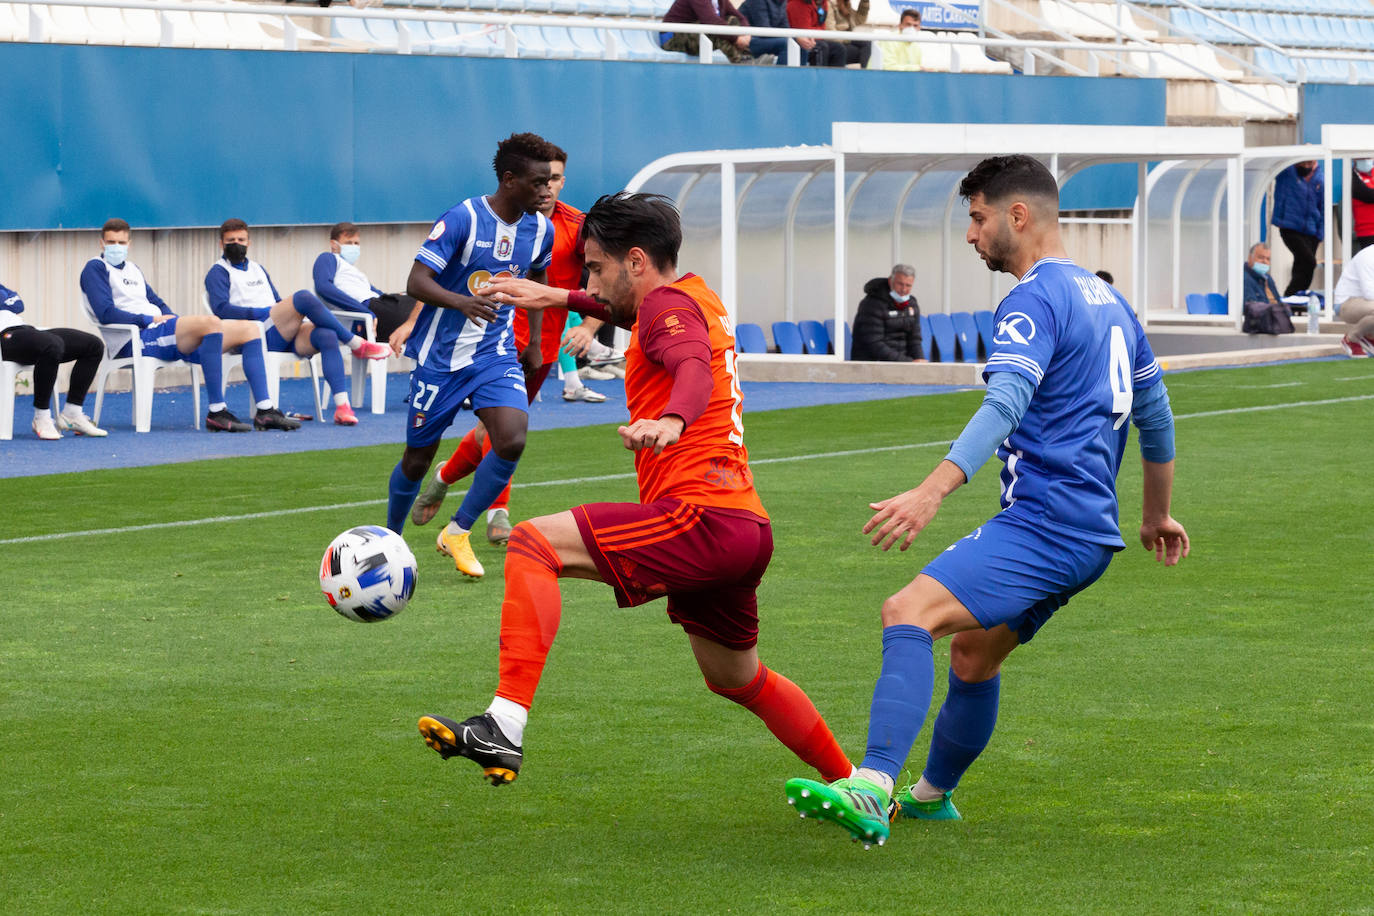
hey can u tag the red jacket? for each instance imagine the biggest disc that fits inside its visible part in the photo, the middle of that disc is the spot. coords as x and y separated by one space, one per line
1362 203
802 14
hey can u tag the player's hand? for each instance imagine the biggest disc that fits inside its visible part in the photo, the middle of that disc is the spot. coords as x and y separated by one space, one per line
159 319
806 44
578 340
398 337
1166 538
525 294
654 434
902 517
479 308
531 359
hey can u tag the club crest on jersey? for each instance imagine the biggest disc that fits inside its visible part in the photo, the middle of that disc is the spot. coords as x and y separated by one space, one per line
437 231
1016 328
505 244
479 280
418 421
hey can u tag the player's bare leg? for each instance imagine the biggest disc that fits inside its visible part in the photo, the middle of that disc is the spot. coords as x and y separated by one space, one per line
507 427
541 551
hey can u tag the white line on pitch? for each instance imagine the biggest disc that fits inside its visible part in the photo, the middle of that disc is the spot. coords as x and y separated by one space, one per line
569 481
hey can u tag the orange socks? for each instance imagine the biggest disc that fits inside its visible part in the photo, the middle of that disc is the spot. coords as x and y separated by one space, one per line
464 461
792 718
530 614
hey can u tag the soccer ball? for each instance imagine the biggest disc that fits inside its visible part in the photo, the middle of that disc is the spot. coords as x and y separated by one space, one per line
368 573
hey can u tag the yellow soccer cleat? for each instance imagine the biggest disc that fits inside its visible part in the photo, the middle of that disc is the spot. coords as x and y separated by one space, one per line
457 544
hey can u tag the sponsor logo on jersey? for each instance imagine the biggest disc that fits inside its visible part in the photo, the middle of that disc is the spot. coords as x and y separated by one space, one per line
483 243
1016 328
479 280
437 231
674 326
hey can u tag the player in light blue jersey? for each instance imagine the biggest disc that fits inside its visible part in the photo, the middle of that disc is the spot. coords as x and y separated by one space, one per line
1069 364
463 343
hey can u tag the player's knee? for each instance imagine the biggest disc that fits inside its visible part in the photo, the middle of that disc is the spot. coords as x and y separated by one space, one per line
47 348
511 448
898 611
970 664
303 301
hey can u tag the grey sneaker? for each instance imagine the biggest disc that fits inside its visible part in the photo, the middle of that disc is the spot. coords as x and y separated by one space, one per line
498 526
428 502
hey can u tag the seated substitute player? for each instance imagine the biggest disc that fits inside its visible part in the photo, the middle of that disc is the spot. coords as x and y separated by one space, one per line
461 340
45 350
239 288
119 294
1069 365
699 534
565 272
344 287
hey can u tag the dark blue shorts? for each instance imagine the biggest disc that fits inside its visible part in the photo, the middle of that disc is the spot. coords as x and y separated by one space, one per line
436 395
160 342
1010 571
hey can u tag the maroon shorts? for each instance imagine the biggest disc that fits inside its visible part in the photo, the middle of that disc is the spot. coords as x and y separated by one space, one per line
708 562
536 381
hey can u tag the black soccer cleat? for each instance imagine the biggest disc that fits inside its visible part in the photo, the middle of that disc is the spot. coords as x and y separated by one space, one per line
272 418
480 740
222 421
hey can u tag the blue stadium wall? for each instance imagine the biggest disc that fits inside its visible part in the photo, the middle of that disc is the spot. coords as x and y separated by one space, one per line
182 137
1334 103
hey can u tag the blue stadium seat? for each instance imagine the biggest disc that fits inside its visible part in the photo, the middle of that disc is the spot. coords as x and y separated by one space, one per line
1216 303
749 339
987 326
815 338
966 335
942 329
788 337
927 337
848 337
1197 304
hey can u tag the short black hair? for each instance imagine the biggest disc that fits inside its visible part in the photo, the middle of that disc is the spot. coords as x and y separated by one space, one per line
519 152
1000 177
114 224
339 230
558 154
909 13
233 224
621 221
1106 275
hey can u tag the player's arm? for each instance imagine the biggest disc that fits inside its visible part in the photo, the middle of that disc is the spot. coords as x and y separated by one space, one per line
905 515
673 333
398 337
1154 420
95 283
533 356
10 301
424 288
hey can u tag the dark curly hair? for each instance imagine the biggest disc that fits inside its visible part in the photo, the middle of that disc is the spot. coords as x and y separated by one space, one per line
621 221
518 152
1000 177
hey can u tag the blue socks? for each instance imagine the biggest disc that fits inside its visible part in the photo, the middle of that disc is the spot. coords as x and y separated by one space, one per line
327 342
255 369
311 307
488 481
210 353
901 698
401 493
962 729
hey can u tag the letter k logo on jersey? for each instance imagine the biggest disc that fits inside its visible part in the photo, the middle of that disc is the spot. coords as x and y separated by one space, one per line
1016 328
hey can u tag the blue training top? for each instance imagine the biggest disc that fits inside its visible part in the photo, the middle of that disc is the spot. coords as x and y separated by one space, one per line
1077 341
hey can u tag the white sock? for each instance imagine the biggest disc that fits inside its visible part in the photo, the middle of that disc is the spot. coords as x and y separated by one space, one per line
340 399
878 777
924 791
217 406
72 411
265 404
356 343
491 513
511 716
454 528
40 414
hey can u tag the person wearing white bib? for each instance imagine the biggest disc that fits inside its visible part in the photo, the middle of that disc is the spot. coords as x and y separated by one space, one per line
240 288
343 286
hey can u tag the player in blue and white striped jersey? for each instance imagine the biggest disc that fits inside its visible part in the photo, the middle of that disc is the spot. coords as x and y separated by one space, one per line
1069 365
463 343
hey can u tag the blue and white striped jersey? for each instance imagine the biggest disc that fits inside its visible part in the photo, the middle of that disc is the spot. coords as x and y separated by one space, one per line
468 247
1078 342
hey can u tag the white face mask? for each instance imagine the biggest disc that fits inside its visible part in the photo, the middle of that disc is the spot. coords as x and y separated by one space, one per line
350 253
910 29
898 297
116 254
1364 165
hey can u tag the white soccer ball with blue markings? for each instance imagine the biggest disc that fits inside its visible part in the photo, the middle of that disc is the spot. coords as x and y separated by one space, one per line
368 574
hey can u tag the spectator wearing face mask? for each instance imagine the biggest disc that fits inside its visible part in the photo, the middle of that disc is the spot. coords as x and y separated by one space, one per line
900 55
342 285
887 326
1259 286
1362 203
1298 198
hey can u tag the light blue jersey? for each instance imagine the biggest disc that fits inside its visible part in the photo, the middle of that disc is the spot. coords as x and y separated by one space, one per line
1078 342
470 246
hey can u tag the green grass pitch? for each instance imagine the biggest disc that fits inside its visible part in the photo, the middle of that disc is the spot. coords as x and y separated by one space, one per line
186 727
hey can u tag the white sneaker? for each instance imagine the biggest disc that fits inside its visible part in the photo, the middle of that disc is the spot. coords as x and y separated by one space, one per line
44 428
598 375
583 394
80 424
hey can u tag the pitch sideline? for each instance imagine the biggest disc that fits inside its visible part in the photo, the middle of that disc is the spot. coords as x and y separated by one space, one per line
277 513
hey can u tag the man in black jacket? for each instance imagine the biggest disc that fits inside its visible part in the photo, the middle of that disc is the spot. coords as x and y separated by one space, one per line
888 324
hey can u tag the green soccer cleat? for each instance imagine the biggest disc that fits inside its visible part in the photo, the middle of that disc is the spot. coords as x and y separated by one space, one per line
855 804
937 809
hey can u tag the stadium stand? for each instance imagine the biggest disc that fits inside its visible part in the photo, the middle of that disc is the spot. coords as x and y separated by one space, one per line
944 345
788 337
815 338
966 336
749 338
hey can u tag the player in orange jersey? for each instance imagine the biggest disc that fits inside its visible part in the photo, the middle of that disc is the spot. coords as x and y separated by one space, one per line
565 271
698 535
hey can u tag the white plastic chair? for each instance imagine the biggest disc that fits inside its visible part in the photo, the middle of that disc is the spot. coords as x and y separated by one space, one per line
142 368
9 373
273 362
374 369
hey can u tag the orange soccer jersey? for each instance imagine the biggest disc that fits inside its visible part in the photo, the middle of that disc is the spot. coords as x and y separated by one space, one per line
709 465
565 272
